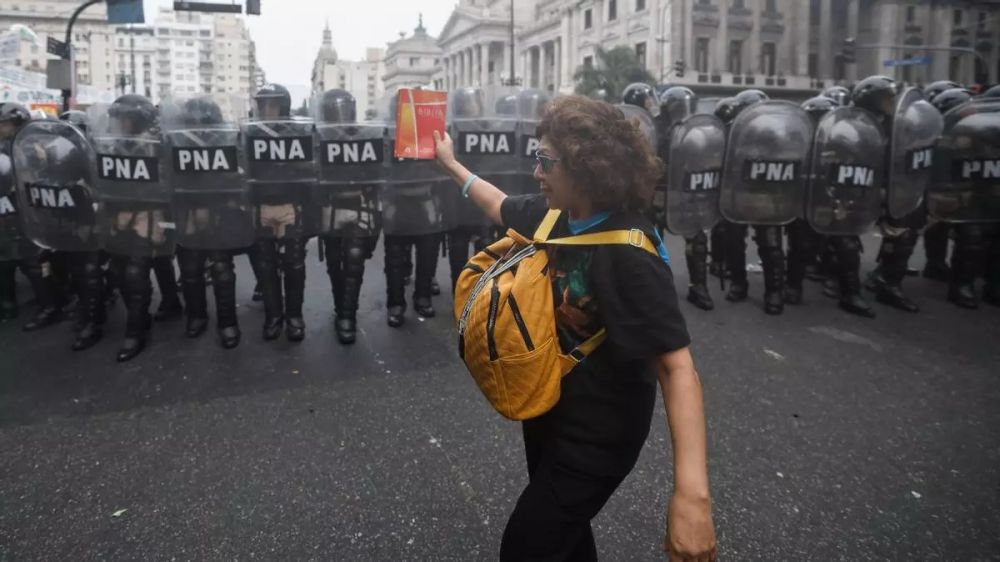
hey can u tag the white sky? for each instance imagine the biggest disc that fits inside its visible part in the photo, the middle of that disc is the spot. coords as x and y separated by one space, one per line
289 32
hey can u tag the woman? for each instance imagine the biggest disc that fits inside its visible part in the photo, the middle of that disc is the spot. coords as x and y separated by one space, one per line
599 170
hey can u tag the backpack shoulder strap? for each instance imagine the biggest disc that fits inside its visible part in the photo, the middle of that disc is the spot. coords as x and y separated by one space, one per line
545 227
634 237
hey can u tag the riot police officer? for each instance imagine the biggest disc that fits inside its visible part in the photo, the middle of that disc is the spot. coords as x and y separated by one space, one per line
281 173
725 110
18 252
877 95
211 209
936 233
352 170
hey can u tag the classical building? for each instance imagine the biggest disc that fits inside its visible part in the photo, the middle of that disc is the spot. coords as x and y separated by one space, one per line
476 42
92 39
363 79
135 51
413 61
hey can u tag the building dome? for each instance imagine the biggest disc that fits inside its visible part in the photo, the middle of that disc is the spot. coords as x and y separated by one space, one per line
327 53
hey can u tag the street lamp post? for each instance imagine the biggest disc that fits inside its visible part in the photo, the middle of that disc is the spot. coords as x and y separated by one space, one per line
67 54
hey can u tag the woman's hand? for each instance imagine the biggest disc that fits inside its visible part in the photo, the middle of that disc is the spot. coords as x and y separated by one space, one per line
444 150
690 532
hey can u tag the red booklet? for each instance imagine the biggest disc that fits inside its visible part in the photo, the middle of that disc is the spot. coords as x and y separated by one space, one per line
418 114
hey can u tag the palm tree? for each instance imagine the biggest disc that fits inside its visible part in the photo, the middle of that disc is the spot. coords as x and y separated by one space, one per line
615 69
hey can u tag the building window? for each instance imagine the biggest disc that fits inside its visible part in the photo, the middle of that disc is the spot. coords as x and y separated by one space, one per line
770 7
414 61
982 21
911 14
956 18
738 4
612 10
701 47
640 54
955 67
767 56
813 65
588 61
588 18
736 57
814 11
640 5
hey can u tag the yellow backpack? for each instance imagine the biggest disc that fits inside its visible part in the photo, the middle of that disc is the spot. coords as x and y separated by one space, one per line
506 319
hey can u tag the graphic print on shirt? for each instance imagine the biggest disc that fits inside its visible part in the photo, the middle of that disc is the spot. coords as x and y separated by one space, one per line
577 312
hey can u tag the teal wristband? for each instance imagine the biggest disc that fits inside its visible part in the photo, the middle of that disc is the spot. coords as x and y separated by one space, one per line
468 185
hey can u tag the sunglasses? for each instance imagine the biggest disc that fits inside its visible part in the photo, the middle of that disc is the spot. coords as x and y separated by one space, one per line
546 162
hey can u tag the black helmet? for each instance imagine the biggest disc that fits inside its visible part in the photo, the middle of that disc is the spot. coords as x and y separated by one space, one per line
935 88
992 93
726 110
467 102
272 101
641 95
676 104
506 105
15 114
749 97
132 114
201 111
6 175
76 118
338 106
950 99
819 106
876 94
531 103
839 94
600 94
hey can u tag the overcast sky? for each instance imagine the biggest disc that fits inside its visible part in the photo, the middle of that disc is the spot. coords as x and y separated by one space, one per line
289 32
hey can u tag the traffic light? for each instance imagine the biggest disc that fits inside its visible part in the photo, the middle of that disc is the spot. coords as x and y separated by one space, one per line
253 7
848 51
679 68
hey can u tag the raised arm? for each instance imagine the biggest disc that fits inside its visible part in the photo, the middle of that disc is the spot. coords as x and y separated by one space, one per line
484 194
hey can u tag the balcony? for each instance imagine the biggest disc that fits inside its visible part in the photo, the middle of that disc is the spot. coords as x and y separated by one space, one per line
913 28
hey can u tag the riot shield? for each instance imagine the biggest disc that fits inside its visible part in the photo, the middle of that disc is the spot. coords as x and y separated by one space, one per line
129 180
643 119
966 182
415 196
353 168
530 106
59 208
763 179
916 126
486 143
211 202
281 173
697 146
11 235
844 196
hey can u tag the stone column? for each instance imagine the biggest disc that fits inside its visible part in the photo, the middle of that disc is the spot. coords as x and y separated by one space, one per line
853 15
557 66
826 47
484 63
567 51
755 39
505 62
722 54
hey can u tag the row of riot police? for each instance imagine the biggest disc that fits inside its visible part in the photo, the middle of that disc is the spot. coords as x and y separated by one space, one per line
137 184
826 172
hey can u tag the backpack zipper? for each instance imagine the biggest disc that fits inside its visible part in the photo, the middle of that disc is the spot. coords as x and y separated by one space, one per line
519 320
492 320
494 270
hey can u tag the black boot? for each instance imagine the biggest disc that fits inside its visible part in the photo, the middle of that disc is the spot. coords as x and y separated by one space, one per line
736 261
936 249
294 269
801 254
848 259
895 255
353 274
718 252
170 306
396 248
696 253
427 254
966 265
224 287
90 311
38 272
772 258
270 284
192 264
8 291
138 295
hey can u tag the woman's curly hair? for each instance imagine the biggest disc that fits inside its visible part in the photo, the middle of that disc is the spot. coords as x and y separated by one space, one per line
608 158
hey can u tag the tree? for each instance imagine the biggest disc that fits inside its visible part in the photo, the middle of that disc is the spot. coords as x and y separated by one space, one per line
303 110
613 71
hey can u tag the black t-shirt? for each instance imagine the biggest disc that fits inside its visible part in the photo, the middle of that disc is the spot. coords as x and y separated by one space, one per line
602 418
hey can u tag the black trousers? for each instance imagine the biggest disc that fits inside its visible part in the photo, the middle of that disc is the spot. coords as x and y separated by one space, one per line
551 521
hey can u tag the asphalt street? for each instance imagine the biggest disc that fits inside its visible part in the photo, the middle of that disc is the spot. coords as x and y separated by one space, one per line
831 438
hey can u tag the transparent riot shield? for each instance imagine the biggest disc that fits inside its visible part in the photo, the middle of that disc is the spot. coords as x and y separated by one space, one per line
763 180
59 208
129 179
643 119
416 195
844 196
531 105
12 237
696 147
966 183
916 127
353 168
211 200
281 173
